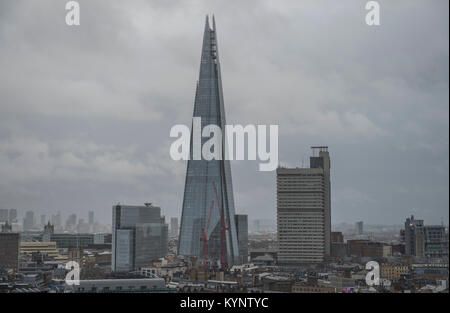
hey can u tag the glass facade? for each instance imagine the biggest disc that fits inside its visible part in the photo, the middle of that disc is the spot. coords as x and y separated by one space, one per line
208 204
139 236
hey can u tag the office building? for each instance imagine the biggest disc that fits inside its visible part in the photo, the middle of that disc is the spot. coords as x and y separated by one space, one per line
359 228
9 250
436 241
56 221
174 227
4 215
208 229
425 240
13 216
29 221
303 211
71 223
91 218
414 237
139 236
242 235
43 220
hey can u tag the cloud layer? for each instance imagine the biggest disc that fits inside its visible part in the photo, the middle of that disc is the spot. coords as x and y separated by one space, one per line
85 112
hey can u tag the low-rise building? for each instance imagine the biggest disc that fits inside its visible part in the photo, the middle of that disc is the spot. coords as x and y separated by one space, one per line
394 271
45 248
302 288
140 285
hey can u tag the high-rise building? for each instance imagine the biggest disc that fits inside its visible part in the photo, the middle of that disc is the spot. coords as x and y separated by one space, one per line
174 227
242 234
414 237
9 249
4 215
43 220
91 218
13 215
56 221
303 211
359 228
425 240
71 223
28 221
436 241
208 229
139 236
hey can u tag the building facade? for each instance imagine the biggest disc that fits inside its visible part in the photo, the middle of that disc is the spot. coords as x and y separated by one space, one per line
174 227
9 250
394 271
208 229
29 221
242 234
425 240
359 230
414 237
304 211
139 236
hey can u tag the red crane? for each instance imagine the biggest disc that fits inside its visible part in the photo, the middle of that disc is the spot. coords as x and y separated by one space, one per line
205 231
205 237
222 220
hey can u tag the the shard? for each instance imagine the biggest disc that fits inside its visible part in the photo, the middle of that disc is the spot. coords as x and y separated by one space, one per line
208 228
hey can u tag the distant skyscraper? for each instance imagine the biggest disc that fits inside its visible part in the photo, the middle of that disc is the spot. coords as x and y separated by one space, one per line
91 218
56 221
71 223
303 211
4 215
174 227
207 221
13 216
43 220
28 221
139 236
359 228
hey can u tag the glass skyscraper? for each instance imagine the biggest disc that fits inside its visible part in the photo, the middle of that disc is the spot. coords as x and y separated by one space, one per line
208 228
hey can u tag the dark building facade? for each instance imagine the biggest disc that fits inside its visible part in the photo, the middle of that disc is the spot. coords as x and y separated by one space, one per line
9 250
242 234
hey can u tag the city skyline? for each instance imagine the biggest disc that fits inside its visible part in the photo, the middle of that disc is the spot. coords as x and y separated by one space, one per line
66 152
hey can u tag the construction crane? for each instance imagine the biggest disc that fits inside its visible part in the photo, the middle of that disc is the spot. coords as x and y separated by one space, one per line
224 228
223 231
205 237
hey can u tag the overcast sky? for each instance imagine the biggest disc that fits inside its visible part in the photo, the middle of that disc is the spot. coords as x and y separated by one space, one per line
85 111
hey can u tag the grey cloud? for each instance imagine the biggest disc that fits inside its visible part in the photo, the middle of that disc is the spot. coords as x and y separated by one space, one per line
85 112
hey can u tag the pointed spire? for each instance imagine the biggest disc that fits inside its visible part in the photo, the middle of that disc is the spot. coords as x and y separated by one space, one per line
207 22
214 23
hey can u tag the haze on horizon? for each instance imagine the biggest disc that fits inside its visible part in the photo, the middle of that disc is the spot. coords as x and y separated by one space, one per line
85 112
